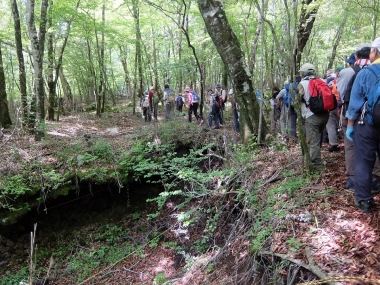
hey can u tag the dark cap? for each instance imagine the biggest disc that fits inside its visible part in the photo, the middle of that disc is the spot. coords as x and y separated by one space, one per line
351 59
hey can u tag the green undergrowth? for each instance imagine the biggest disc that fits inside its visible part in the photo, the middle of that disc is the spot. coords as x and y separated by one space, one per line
219 188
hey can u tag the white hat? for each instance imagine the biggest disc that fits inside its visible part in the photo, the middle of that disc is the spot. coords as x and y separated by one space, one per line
307 67
152 88
231 92
376 44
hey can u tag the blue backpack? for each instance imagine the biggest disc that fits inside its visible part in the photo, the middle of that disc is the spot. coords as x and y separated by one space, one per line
179 101
373 98
195 97
288 96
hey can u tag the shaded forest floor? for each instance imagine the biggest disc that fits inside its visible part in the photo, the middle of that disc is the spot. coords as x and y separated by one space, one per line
328 235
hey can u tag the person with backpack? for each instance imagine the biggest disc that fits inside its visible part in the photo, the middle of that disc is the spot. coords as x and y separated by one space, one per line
169 101
276 110
145 106
153 102
221 93
193 100
363 127
214 110
315 117
179 102
332 123
280 101
358 60
234 107
290 112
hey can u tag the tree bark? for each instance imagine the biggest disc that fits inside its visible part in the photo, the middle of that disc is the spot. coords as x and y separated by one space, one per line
21 63
229 48
5 119
338 36
38 46
66 89
306 23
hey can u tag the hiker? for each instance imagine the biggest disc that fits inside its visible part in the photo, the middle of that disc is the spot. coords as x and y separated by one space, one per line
168 99
235 112
280 101
153 102
179 102
360 131
276 110
332 123
221 93
315 123
214 110
192 104
145 106
358 60
290 112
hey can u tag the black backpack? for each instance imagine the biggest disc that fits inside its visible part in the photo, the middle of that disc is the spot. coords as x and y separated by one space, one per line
347 93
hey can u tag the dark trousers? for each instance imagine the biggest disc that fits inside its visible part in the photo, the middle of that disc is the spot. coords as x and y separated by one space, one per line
194 109
236 120
214 114
366 144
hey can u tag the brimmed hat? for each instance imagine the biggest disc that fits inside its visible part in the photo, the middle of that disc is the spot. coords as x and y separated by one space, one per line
376 44
152 88
187 88
351 59
146 92
217 85
339 68
307 67
231 92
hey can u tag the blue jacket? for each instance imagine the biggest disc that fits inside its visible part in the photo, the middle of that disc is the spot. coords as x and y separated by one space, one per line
363 84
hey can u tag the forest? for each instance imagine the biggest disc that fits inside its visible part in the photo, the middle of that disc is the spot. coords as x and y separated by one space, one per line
91 193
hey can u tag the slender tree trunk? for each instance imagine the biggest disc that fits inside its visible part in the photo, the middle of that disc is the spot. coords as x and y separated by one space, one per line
5 119
50 71
38 46
102 75
138 86
232 55
337 39
66 89
306 23
21 63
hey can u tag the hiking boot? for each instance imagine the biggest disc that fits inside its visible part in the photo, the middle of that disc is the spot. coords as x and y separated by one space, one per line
334 148
375 188
365 206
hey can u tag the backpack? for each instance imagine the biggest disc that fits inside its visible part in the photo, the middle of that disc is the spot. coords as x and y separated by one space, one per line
288 100
179 101
169 95
225 97
373 99
347 93
155 99
321 98
145 102
195 96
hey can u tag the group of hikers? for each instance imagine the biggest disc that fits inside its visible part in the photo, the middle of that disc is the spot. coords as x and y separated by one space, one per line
353 96
217 105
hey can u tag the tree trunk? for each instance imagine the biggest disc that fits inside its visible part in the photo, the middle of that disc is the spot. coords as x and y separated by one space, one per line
21 63
38 45
102 79
50 71
306 23
338 36
138 85
232 55
5 119
66 89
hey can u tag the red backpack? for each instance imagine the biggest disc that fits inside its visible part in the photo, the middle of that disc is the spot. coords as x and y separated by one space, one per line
321 98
